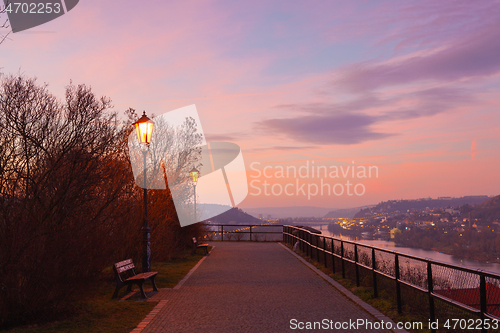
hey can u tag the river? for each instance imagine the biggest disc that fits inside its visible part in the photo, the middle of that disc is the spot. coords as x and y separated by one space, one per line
438 256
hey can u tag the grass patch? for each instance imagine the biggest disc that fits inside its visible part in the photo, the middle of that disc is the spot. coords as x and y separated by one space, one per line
97 312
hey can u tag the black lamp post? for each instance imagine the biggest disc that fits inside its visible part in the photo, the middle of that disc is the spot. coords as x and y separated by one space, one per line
194 177
144 129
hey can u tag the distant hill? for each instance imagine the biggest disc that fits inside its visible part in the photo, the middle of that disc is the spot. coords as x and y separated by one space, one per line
488 210
403 206
235 216
344 213
293 211
206 211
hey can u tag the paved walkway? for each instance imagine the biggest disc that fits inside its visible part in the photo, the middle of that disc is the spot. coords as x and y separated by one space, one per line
252 287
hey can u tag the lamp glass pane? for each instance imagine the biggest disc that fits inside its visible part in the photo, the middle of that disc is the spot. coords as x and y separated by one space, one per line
144 131
194 176
149 131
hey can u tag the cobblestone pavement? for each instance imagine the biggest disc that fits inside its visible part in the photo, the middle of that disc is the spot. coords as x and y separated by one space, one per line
252 287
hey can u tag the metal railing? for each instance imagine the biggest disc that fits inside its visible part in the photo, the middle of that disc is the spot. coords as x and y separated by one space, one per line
460 291
244 232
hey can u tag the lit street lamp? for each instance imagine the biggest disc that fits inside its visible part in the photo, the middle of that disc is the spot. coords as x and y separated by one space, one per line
194 177
144 129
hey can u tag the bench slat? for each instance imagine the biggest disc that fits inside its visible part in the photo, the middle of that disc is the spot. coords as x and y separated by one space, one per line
123 263
125 268
142 276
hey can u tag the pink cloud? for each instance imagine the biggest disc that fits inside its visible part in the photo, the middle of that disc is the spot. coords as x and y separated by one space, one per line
473 149
471 57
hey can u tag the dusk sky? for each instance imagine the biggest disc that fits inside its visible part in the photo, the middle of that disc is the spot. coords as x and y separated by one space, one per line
408 87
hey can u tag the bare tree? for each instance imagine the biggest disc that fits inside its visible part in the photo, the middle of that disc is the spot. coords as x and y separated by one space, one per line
4 24
69 205
67 201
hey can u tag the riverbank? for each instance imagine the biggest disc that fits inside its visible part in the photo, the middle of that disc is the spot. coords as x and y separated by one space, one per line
485 259
435 253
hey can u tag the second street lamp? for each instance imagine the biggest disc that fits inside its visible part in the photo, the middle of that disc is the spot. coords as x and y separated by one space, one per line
194 178
144 129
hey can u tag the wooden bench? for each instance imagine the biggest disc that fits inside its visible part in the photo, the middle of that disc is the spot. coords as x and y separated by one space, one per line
199 246
127 269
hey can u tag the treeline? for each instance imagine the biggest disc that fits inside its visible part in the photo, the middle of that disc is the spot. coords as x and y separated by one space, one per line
411 205
482 244
69 205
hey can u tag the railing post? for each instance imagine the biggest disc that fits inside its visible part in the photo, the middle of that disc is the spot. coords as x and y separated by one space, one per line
316 238
310 245
308 248
374 274
324 251
317 247
482 296
309 238
222 233
342 258
356 263
333 257
304 237
312 242
430 290
316 242
301 244
318 251
398 285
250 232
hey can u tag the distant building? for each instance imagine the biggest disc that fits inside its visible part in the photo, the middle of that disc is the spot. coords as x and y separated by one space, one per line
260 216
395 232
